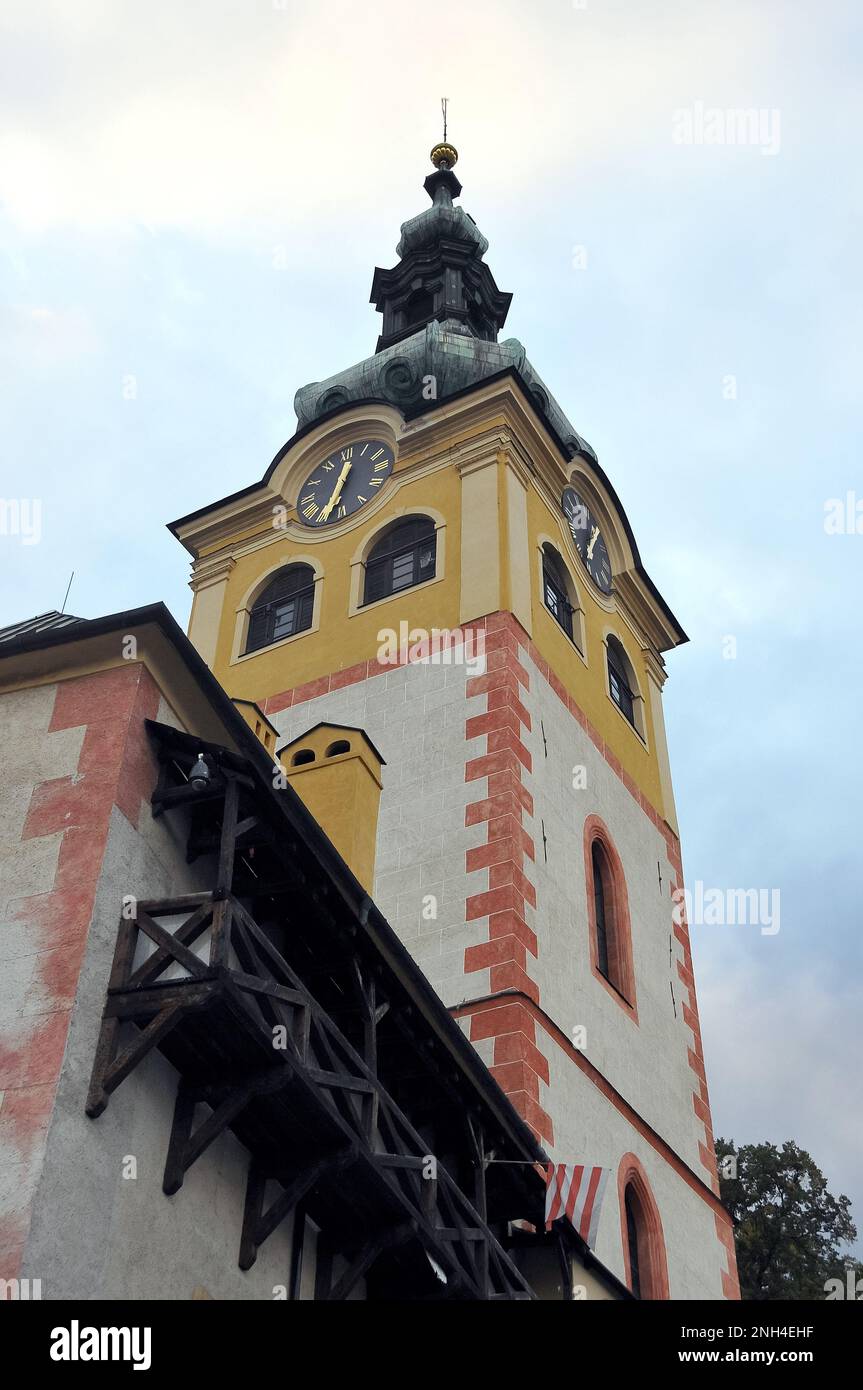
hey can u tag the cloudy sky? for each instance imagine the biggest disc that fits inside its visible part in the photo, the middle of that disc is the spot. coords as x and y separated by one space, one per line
192 200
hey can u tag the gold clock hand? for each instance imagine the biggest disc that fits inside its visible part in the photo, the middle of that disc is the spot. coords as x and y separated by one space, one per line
594 536
337 492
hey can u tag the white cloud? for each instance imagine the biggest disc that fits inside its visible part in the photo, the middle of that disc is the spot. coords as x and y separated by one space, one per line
217 117
781 1048
37 337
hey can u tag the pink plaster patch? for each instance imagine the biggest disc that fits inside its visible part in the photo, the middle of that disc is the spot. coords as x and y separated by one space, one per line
115 767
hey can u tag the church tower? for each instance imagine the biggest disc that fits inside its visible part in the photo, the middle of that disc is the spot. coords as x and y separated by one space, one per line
436 599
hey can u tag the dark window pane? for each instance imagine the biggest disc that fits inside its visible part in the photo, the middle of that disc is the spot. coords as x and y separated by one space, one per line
619 687
419 307
284 608
257 630
403 571
284 615
556 601
375 582
632 1241
405 556
599 911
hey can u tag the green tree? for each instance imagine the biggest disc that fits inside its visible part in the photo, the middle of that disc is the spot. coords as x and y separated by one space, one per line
788 1229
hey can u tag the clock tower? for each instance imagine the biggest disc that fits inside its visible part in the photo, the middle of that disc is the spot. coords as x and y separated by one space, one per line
435 597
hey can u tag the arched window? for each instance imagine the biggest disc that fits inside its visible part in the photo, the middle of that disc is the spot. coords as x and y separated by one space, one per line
608 916
283 608
555 585
341 745
621 682
403 557
419 307
644 1257
633 1222
303 756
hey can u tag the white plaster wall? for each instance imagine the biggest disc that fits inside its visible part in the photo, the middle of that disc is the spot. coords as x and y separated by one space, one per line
415 715
93 1233
648 1061
587 1127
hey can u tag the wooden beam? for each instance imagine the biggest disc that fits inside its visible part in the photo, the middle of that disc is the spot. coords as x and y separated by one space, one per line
340 1080
181 1129
366 1257
298 1250
228 846
143 1003
219 940
155 1031
172 907
172 944
106 1047
258 1224
256 1186
190 930
477 1138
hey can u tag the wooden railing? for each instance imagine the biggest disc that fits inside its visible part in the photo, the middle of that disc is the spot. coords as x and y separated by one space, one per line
234 957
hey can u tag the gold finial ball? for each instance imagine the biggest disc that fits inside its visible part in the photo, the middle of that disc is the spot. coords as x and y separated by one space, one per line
444 156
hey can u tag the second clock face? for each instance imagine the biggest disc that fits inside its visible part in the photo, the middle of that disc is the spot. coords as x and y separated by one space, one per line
344 482
589 541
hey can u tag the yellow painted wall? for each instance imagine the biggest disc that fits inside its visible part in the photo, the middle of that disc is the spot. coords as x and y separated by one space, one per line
341 640
258 723
587 683
342 792
486 485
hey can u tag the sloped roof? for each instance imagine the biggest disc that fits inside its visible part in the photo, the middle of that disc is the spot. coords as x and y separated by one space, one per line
329 724
45 622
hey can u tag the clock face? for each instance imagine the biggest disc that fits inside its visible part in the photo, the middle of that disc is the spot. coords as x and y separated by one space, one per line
588 539
344 482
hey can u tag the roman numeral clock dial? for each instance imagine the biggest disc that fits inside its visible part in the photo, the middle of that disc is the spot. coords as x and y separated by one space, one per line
589 541
344 482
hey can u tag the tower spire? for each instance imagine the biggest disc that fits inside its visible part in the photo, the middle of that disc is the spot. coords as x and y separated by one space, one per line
441 274
443 186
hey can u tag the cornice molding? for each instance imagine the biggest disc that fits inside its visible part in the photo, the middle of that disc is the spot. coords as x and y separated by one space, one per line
493 421
212 569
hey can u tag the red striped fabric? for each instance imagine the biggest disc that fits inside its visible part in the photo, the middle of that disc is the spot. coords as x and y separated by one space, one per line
575 1192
